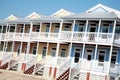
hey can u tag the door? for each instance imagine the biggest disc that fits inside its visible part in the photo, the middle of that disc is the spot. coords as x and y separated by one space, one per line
77 54
44 52
114 57
56 29
92 35
89 53
34 50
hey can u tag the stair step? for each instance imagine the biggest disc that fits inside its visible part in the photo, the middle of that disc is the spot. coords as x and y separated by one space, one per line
4 66
30 70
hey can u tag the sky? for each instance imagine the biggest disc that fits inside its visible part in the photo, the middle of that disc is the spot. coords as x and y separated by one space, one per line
47 7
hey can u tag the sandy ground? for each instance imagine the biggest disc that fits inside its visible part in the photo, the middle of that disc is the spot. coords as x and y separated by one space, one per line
14 75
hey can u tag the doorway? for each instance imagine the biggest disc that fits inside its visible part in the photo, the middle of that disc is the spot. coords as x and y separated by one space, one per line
77 55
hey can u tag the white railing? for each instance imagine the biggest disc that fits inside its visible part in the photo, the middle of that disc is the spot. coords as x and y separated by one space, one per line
53 36
91 36
7 58
9 35
26 36
117 39
75 70
39 65
18 36
44 35
66 35
34 36
115 69
13 62
3 36
105 37
78 36
31 63
63 67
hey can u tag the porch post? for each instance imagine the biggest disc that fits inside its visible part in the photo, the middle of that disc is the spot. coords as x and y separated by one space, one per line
13 39
49 31
111 46
94 64
22 38
1 33
98 30
28 43
85 31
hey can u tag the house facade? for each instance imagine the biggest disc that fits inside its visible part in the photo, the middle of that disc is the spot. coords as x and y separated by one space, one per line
64 46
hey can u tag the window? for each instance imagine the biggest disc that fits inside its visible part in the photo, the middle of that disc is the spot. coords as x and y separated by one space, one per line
53 52
117 30
1 47
56 29
47 28
44 52
67 28
101 56
34 50
18 50
114 57
25 51
77 54
37 28
80 28
104 29
112 78
12 28
89 53
63 52
21 30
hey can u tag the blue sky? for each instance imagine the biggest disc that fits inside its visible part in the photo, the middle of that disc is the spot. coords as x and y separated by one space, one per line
47 7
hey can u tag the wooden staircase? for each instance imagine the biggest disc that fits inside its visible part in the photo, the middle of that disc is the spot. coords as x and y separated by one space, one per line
64 76
40 72
4 66
30 70
13 65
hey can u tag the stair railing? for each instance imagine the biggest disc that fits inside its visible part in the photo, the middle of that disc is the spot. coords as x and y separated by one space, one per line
75 70
7 58
31 63
63 68
13 62
40 64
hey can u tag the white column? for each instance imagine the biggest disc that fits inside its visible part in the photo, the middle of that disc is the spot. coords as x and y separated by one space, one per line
85 30
22 38
14 38
49 31
1 33
57 49
28 43
47 49
94 64
60 30
83 50
73 30
111 45
98 30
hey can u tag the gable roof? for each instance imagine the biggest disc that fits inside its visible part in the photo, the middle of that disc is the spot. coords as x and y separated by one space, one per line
34 15
105 8
13 17
16 19
65 13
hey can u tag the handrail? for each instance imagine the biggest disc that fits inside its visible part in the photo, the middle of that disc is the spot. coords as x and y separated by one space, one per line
31 63
62 68
7 58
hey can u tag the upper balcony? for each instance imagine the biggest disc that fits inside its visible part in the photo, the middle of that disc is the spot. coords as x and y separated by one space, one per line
88 37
